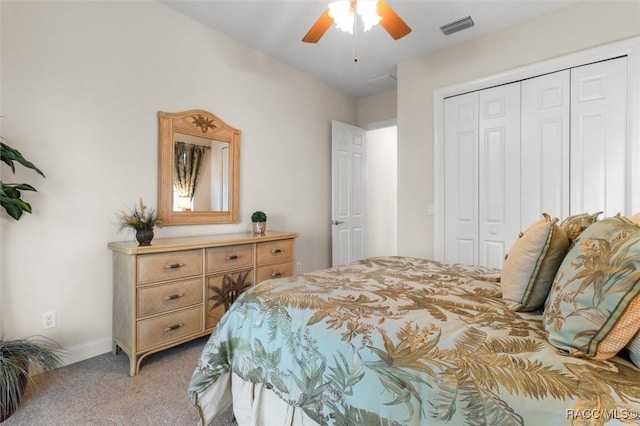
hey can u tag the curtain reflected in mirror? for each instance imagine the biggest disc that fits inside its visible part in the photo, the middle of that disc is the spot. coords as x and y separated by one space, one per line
201 174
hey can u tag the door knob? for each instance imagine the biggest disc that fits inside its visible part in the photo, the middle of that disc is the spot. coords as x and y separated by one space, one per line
337 222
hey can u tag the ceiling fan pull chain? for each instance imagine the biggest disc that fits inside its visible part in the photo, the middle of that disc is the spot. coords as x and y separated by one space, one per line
355 35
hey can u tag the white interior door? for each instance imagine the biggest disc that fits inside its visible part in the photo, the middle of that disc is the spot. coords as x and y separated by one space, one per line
599 137
348 193
545 147
499 169
461 179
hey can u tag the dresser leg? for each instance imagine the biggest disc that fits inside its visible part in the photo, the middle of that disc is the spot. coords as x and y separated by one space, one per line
133 366
115 349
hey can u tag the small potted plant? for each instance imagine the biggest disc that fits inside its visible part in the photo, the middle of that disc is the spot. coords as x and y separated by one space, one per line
259 220
19 360
142 221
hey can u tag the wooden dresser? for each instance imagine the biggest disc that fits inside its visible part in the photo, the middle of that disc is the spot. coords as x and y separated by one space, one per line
177 289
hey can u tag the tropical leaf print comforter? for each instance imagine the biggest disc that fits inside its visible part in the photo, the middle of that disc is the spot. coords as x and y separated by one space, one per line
405 341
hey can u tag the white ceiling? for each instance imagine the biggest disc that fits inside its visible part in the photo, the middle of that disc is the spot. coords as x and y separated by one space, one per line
277 27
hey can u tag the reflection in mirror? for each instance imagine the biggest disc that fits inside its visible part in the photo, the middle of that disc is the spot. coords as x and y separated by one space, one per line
201 174
199 169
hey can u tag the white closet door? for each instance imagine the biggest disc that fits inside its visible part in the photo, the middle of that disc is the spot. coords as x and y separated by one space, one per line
461 179
499 168
599 137
545 147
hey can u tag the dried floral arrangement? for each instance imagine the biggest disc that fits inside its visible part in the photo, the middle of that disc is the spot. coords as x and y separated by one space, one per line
139 218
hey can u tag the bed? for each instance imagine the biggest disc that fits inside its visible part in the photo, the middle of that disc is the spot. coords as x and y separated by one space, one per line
401 341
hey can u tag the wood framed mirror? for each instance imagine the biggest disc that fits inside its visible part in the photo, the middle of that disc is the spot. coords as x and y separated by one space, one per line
198 169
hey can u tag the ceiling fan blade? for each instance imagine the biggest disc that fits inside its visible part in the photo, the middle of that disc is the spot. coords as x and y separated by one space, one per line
391 21
319 28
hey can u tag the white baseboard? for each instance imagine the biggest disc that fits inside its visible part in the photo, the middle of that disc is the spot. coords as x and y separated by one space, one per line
77 353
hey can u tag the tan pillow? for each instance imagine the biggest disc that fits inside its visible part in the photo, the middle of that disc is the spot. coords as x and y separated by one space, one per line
635 218
634 344
531 265
634 349
574 225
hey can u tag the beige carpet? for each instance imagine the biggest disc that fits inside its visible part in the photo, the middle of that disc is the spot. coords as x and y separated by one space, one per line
99 391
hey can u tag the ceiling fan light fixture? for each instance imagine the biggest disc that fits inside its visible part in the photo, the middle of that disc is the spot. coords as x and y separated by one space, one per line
368 11
343 13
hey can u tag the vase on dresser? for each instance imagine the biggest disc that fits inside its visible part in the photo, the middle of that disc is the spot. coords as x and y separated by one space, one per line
259 222
259 228
144 236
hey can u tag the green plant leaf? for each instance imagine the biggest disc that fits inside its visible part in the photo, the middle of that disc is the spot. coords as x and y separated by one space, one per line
23 186
8 155
10 199
16 202
12 190
12 193
10 196
12 209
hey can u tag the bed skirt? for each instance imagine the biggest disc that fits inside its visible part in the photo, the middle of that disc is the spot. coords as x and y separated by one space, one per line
252 404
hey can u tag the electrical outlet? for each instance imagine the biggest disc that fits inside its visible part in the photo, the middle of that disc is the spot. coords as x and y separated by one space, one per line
48 319
298 267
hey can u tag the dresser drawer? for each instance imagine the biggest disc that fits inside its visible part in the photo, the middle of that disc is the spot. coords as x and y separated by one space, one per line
168 266
166 297
274 251
159 330
231 257
222 290
276 270
213 315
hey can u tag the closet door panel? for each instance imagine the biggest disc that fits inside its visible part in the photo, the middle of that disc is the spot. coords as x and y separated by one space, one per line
545 147
599 137
499 172
461 179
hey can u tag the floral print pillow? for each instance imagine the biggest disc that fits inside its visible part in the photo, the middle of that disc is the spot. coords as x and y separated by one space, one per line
574 225
593 309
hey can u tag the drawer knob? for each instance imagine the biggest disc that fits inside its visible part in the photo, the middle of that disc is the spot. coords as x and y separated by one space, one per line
232 257
173 327
276 251
174 296
174 266
276 274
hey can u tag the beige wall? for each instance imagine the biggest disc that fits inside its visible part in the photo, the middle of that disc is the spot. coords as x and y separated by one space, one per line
577 27
382 107
82 83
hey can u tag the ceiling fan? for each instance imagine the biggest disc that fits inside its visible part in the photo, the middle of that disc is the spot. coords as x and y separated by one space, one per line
344 12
